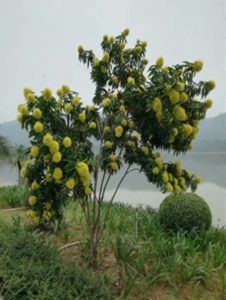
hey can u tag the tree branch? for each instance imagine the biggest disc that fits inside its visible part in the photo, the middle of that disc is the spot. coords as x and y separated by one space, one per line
96 174
110 204
81 202
135 169
101 186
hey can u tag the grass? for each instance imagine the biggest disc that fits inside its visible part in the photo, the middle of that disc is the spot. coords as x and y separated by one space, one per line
152 265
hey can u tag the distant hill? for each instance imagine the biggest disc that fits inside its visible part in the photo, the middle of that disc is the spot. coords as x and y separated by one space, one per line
14 133
212 133
213 128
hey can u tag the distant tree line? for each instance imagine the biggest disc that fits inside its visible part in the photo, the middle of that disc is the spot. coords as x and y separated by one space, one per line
13 154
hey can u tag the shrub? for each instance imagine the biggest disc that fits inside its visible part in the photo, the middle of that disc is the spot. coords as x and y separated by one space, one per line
34 270
12 196
186 212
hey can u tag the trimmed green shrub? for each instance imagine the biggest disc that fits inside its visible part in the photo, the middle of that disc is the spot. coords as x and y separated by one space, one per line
31 269
185 212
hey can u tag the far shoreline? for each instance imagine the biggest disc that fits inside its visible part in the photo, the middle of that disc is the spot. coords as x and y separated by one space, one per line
196 152
216 153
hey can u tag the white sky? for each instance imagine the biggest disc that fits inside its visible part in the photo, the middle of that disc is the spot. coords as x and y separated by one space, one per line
39 40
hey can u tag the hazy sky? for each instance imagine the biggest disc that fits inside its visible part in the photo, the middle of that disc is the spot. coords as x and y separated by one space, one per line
39 40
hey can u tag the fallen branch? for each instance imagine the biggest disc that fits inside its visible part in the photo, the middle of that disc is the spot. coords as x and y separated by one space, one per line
72 244
17 208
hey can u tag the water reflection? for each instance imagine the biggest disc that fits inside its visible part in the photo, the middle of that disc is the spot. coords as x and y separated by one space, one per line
136 190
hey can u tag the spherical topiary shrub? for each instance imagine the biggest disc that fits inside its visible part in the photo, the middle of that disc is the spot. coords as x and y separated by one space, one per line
185 212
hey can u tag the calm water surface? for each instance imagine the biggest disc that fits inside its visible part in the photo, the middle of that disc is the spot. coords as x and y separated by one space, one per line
136 190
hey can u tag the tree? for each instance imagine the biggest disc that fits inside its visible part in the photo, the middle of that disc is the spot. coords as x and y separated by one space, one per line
131 118
20 155
6 150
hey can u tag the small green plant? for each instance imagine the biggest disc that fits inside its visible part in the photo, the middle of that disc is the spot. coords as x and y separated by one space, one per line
65 234
223 281
217 254
191 270
174 262
123 249
185 212
203 239
128 282
16 220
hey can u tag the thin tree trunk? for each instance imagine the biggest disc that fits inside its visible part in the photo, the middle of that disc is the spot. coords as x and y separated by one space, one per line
98 231
19 169
19 165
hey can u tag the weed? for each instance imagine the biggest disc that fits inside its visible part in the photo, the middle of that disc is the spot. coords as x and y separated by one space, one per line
123 249
16 220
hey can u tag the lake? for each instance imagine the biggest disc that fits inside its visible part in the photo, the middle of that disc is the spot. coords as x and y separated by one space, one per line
136 190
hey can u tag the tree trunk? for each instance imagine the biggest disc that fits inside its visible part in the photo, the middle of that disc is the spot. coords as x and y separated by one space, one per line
19 169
